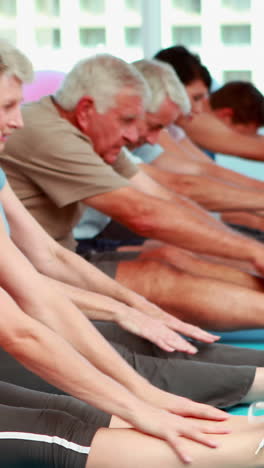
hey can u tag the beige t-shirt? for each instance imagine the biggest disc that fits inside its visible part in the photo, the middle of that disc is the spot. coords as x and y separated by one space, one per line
51 165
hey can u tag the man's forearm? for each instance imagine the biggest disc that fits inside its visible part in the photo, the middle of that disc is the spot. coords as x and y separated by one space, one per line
228 175
242 218
147 185
212 193
174 224
207 131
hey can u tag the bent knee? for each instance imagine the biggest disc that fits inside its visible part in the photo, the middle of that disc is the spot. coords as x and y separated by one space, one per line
147 276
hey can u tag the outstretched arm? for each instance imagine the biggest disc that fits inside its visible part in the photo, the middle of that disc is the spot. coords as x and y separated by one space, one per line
212 193
134 313
209 132
44 352
177 221
159 327
54 332
45 304
61 264
185 157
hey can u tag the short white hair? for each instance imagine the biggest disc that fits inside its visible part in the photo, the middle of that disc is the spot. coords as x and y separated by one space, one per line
163 82
14 63
102 77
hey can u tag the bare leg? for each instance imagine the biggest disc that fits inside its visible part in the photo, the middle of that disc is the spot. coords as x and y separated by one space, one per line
227 269
202 301
127 448
195 264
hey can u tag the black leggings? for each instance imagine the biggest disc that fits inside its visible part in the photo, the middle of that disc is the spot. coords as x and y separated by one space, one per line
218 375
43 430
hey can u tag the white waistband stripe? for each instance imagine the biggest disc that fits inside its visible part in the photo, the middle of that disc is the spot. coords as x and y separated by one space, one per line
45 438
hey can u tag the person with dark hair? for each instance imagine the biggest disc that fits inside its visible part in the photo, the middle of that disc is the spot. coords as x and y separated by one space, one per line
240 105
204 130
188 65
192 73
215 131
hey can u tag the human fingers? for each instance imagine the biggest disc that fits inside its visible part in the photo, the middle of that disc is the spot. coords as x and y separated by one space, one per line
186 407
157 332
191 432
192 331
175 342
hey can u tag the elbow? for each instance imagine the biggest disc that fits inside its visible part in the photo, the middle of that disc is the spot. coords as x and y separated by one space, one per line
18 341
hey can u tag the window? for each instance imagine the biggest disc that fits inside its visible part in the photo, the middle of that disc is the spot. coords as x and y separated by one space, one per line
9 35
189 6
48 38
241 75
92 37
227 33
133 37
236 34
134 5
96 7
8 7
238 5
186 35
48 7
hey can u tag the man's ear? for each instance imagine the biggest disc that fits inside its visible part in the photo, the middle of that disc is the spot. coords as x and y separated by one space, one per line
225 113
84 111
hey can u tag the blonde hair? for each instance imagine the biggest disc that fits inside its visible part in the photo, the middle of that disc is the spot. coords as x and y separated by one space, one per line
102 77
163 82
15 63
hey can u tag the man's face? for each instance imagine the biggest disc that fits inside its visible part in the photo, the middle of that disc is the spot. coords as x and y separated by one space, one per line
153 123
198 95
117 127
10 99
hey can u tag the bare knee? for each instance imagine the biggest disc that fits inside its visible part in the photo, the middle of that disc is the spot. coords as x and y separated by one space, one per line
158 281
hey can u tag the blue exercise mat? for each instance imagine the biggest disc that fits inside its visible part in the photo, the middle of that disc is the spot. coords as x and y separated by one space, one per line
250 336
